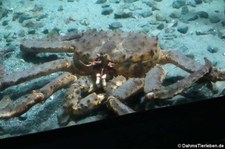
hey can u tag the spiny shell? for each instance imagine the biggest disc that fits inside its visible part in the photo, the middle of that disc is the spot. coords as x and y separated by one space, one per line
133 53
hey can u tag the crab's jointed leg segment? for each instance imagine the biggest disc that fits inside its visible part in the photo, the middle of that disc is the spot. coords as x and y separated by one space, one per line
60 44
190 65
75 104
74 93
122 92
118 87
154 79
38 96
129 88
118 107
88 104
176 88
36 71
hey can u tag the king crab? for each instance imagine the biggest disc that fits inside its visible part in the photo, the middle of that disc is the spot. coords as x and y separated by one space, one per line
109 67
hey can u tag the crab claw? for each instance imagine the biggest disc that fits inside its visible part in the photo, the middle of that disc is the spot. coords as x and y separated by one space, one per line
104 80
100 80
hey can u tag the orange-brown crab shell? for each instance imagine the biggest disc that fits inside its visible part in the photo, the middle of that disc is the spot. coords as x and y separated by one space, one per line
132 53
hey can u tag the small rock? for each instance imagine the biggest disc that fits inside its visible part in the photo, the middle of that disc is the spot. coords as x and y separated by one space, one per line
158 0
42 16
151 4
146 13
191 3
206 32
184 49
129 1
178 4
16 15
3 12
203 14
45 31
198 1
21 33
174 15
31 24
123 14
105 5
223 23
70 0
114 1
53 33
214 63
24 17
9 39
145 29
100 1
214 19
32 31
5 22
14 35
194 17
84 22
72 30
37 8
182 29
160 17
184 10
216 11
153 22
60 8
221 33
160 26
115 25
11 47
172 23
107 11
212 49
72 18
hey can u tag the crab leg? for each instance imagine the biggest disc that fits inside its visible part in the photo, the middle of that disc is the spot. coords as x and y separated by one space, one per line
123 92
88 104
38 96
36 71
60 44
120 91
118 107
176 88
74 102
130 87
74 93
189 65
154 79
80 106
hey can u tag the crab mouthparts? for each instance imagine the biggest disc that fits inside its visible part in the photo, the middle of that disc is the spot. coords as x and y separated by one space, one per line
100 79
